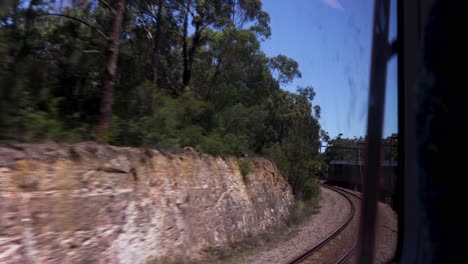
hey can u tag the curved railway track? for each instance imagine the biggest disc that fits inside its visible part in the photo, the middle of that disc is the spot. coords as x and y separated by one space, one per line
309 255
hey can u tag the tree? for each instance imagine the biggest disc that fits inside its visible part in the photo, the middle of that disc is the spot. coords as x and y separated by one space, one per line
219 15
190 72
344 149
284 68
110 70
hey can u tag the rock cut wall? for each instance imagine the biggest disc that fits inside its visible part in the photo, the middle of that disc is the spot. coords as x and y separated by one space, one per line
92 203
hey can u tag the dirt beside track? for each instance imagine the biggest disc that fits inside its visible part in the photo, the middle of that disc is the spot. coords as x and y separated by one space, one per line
333 209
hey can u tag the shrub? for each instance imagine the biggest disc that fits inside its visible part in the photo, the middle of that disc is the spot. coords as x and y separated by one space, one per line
245 168
213 144
311 190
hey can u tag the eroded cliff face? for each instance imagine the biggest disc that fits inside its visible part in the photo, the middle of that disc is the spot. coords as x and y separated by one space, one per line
91 203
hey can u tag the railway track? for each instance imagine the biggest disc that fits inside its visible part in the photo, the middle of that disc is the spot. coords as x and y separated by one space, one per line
325 246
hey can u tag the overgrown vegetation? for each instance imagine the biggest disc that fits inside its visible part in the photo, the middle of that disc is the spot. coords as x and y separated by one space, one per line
245 168
187 73
307 204
302 209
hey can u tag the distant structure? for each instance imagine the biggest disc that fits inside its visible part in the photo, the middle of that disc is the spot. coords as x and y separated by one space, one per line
350 174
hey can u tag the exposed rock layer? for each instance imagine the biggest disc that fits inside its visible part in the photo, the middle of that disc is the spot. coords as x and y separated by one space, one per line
91 203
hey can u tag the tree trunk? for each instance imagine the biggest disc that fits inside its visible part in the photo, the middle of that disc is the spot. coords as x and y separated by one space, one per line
110 71
156 41
191 53
15 14
214 78
28 24
186 72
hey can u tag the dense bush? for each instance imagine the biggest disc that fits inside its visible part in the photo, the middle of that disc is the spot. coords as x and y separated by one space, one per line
214 90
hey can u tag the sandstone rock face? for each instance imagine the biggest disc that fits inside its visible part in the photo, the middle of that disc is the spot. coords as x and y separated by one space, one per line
91 203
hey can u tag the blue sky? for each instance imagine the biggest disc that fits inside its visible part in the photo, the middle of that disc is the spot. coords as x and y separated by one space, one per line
331 41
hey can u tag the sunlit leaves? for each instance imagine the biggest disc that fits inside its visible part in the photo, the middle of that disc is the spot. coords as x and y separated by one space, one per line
284 68
51 75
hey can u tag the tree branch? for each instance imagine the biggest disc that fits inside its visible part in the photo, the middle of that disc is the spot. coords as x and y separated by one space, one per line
148 32
90 51
80 21
181 6
146 10
107 5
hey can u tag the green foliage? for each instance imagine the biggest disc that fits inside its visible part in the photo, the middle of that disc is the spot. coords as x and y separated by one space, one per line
213 144
52 72
287 69
303 208
344 149
308 202
311 189
245 168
